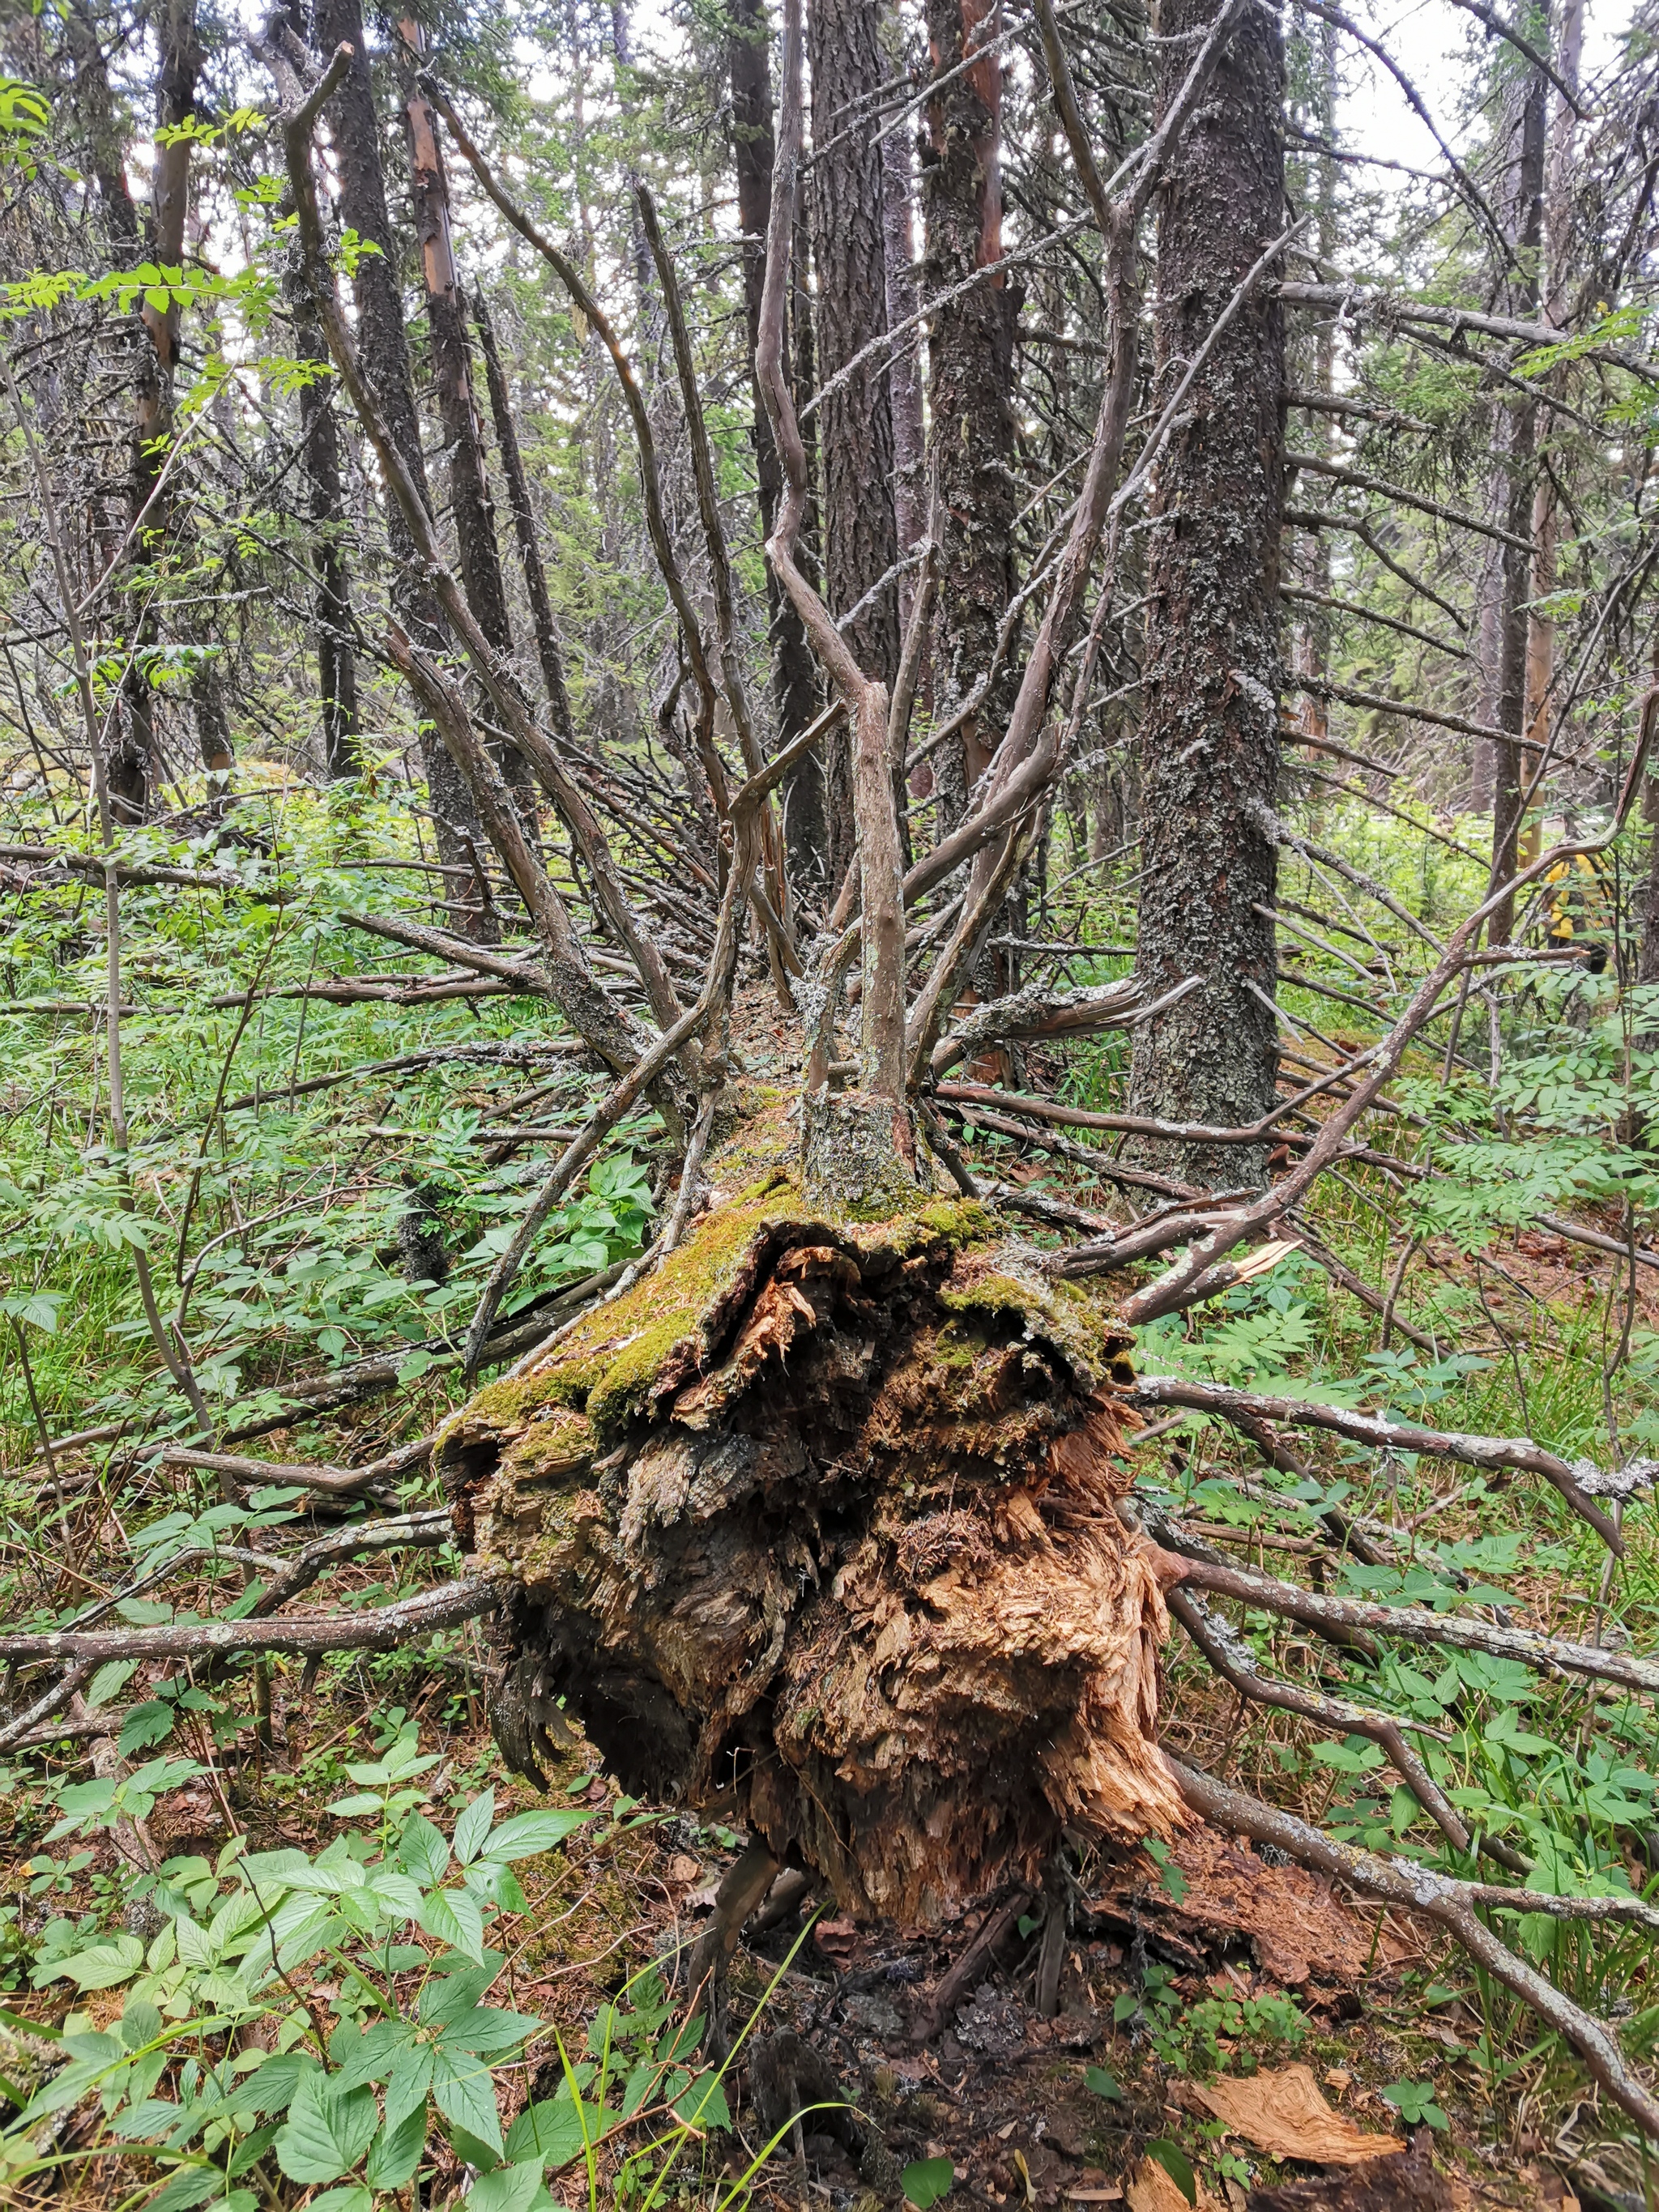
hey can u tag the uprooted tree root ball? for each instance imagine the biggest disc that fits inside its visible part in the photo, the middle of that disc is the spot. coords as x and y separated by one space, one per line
817 1526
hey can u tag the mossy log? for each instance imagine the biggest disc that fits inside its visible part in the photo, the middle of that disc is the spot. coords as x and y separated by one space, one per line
816 1528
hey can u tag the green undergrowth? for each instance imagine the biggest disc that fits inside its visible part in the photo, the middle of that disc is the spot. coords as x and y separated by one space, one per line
245 2028
290 1231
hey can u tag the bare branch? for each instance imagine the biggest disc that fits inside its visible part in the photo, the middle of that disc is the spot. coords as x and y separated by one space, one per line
1497 1453
1451 1905
385 1630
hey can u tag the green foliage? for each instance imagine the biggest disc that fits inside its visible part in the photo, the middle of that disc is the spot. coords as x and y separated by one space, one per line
1414 2102
926 2180
415 2047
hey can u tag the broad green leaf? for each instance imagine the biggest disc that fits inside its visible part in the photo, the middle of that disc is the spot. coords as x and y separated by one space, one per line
527 1833
488 2030
509 2189
272 2085
452 1916
110 1681
187 2186
368 2055
473 1826
424 1852
551 2132
141 2023
703 2104
151 1722
327 2132
1174 2163
395 2153
465 2091
407 2084
926 2180
101 1967
1097 2079
455 1989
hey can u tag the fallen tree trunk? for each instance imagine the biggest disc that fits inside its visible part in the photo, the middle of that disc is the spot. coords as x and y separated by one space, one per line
816 1527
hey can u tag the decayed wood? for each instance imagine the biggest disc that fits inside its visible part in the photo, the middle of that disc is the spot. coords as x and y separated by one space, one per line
817 1525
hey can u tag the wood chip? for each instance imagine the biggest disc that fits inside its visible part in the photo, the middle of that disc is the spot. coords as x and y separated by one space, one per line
1152 2190
1283 2114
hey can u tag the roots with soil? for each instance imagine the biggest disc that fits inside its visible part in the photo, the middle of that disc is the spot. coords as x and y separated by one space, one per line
816 1527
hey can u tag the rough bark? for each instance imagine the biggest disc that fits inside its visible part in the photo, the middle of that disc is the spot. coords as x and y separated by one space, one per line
860 537
816 1527
472 510
1504 615
336 661
970 382
1560 181
904 377
130 762
1209 741
795 693
523 523
384 346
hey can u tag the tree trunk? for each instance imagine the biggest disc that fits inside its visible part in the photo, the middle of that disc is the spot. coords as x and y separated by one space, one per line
130 759
1560 181
769 1555
970 384
336 661
1503 621
470 504
1209 740
385 349
523 524
795 697
855 439
904 377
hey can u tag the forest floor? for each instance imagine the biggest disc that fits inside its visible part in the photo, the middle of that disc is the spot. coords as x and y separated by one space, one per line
1220 1960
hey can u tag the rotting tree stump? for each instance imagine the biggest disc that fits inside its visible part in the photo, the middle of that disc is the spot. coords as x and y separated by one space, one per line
816 1529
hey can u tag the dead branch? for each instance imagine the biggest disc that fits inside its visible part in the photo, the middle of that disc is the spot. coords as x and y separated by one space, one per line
633 398
1170 1292
882 1030
569 972
385 1630
522 973
1226 1653
1035 1012
1549 1655
333 1481
21 1726
1316 464
1449 1904
140 873
1496 1454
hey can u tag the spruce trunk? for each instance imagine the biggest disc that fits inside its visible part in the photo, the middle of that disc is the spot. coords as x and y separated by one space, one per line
1209 742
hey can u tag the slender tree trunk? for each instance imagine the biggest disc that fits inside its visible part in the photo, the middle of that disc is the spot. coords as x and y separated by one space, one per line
1209 739
385 348
1315 364
794 675
904 377
970 384
470 503
131 760
337 659
1560 179
524 522
1504 624
860 537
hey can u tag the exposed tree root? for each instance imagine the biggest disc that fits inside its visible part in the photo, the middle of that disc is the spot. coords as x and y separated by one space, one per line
817 1524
